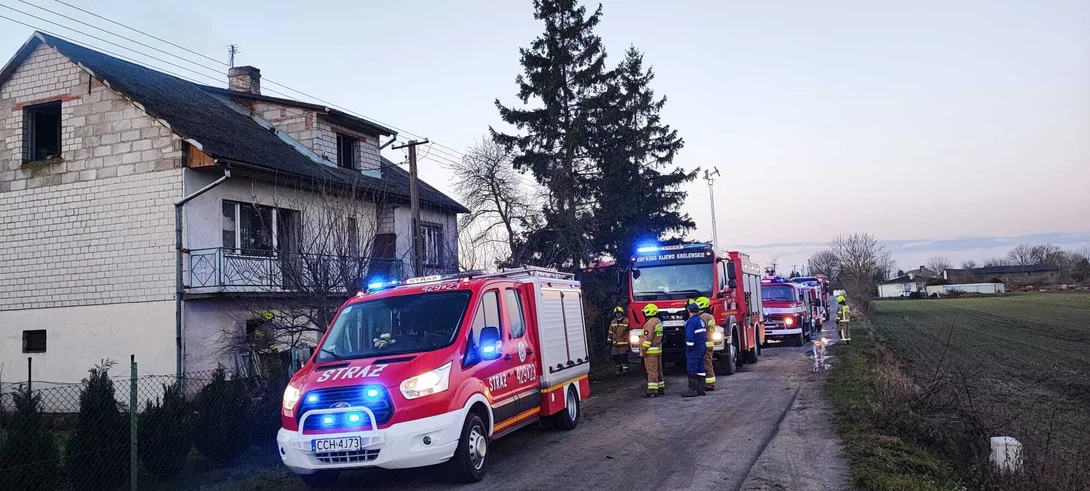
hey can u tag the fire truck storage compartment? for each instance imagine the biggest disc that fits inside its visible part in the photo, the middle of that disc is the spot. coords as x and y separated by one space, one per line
564 352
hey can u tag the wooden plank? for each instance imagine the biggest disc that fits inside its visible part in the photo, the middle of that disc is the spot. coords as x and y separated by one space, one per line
196 158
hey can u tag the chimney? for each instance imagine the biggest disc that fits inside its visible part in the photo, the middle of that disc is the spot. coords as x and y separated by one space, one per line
244 79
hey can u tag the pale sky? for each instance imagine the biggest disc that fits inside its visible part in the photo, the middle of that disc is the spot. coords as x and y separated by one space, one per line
920 121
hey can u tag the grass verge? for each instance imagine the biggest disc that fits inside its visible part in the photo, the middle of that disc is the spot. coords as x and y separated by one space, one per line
880 459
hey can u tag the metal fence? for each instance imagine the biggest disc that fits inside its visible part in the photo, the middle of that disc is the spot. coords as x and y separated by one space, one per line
114 431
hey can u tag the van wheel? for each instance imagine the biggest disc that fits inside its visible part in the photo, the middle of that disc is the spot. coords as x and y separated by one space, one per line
320 479
797 339
569 417
469 461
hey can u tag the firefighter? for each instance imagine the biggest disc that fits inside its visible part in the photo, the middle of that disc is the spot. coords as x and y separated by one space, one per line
618 340
696 333
843 319
705 306
651 351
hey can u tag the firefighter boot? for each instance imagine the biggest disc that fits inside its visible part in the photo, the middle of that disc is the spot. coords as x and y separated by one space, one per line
700 388
694 382
662 389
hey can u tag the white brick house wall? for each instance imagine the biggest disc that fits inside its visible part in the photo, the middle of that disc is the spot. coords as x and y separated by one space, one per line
97 226
320 136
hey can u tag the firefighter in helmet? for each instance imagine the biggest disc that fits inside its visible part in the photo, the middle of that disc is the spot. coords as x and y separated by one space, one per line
651 351
696 333
618 340
705 306
843 319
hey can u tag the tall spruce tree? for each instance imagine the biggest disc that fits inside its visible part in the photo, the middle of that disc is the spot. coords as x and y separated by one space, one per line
564 72
639 195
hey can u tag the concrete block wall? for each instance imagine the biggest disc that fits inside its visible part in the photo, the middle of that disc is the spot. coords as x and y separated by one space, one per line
312 131
95 226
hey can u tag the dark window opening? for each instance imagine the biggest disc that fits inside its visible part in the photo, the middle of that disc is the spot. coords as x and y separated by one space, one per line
346 151
43 131
34 341
257 230
433 244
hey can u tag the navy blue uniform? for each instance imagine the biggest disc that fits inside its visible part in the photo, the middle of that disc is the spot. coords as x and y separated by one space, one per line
696 334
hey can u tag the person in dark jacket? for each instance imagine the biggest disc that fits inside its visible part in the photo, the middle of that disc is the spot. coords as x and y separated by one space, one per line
696 334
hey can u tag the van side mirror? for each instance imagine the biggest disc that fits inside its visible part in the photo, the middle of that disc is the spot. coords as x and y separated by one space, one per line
635 274
731 275
733 283
491 345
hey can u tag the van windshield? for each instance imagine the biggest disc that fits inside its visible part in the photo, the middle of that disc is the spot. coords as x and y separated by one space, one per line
394 325
673 282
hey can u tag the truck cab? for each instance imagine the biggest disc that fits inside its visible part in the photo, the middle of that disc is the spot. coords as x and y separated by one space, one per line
787 314
671 275
430 370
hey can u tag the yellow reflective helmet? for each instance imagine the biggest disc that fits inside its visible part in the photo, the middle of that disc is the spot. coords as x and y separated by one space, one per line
650 309
618 310
840 299
703 303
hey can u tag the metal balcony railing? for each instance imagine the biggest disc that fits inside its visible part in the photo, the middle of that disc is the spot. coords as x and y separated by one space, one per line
219 269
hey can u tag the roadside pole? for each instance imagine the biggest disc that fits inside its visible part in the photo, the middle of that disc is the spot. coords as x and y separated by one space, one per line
132 423
709 175
414 203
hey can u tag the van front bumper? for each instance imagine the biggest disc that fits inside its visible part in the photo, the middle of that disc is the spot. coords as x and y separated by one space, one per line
398 447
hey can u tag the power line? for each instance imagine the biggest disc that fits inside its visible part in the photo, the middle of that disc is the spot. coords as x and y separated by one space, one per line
450 152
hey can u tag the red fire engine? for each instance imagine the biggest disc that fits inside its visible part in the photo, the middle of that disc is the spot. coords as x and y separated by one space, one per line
820 298
669 276
788 312
430 370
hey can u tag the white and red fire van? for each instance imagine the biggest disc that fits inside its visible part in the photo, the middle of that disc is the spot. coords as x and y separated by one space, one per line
430 370
787 314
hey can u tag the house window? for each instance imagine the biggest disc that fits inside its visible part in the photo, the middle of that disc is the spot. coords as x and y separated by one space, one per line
433 244
352 237
346 151
258 230
34 341
42 123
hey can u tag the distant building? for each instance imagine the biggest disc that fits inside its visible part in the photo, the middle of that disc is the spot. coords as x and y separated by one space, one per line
1010 275
901 286
985 288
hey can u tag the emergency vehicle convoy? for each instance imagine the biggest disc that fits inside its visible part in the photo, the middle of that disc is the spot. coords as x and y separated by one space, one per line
821 286
788 313
430 370
669 276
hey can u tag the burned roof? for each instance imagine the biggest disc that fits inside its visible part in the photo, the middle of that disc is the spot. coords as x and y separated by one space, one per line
207 120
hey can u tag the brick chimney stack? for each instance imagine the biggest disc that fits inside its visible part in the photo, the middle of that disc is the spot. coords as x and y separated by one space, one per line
244 79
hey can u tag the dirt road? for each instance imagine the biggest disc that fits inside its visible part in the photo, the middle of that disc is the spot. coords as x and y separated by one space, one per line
767 427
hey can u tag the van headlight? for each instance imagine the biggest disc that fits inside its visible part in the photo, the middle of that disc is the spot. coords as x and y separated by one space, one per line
428 383
291 397
717 336
634 339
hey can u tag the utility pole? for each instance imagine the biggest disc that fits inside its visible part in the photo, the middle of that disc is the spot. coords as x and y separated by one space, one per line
414 203
232 50
709 175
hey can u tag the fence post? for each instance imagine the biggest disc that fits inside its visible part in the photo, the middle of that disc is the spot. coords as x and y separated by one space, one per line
29 361
132 423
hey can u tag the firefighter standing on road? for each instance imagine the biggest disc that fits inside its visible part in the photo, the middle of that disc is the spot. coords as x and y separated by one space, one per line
696 334
705 313
618 340
843 319
651 351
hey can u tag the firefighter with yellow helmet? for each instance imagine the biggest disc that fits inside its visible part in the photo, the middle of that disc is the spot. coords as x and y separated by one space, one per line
843 319
618 340
651 351
704 304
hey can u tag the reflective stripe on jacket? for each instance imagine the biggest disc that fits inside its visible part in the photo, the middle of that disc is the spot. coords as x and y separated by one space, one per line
618 332
652 336
710 321
844 314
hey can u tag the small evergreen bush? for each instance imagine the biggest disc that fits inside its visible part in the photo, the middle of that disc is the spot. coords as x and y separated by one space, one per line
165 434
220 429
28 458
97 456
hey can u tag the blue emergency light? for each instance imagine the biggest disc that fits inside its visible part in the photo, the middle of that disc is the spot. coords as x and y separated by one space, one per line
355 418
371 393
377 285
312 398
327 420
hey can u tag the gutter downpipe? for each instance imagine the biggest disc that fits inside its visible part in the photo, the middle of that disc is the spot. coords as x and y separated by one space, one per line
179 288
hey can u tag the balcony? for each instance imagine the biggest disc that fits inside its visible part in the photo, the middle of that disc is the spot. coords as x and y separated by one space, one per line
217 269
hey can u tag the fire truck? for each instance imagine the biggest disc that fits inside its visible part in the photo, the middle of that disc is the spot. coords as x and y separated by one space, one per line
670 275
788 314
821 286
430 370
